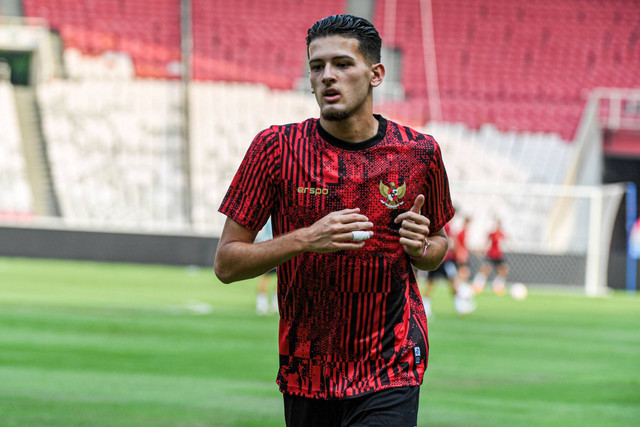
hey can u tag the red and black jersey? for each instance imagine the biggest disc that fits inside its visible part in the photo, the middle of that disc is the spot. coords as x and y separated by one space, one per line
351 322
451 250
462 252
495 248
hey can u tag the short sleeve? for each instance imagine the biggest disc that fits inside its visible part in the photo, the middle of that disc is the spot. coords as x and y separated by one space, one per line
250 196
438 205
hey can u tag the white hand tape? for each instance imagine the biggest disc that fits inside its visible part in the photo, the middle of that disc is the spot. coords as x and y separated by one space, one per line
359 236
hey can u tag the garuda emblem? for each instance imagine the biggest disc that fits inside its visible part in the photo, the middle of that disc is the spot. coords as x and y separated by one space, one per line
392 194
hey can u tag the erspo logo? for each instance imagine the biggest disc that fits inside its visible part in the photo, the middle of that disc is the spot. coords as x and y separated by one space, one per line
311 190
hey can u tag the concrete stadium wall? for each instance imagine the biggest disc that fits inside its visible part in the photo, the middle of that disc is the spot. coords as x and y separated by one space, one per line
200 251
109 247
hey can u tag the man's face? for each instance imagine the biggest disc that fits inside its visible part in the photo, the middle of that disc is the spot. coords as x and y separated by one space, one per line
340 76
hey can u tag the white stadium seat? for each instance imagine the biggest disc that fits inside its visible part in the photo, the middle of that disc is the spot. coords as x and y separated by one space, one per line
15 196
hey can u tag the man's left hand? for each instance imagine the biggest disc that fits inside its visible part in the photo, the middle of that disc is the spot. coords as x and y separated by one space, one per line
414 229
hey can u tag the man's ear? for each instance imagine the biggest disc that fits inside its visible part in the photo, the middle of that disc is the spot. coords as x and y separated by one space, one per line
377 74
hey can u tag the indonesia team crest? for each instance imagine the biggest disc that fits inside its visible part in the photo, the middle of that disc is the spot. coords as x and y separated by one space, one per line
392 194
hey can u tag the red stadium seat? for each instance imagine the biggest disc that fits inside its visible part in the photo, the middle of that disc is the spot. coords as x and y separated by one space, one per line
529 56
506 53
149 30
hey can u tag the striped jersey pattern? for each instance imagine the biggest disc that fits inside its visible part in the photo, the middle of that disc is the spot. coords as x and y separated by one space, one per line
351 322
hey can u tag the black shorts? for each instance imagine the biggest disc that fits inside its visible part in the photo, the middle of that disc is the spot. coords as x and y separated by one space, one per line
495 261
446 270
461 264
396 407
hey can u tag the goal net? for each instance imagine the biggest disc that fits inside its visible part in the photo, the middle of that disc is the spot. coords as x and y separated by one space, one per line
555 235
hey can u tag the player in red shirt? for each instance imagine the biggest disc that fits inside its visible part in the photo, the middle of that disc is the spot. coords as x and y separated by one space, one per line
464 300
355 200
494 259
446 271
455 271
462 253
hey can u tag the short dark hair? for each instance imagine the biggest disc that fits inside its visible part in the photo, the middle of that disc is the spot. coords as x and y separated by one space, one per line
369 40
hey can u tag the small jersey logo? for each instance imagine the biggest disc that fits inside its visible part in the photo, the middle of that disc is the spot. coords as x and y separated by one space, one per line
392 194
416 353
311 190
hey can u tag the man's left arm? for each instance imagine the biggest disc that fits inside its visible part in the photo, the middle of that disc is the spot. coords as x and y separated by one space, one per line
426 252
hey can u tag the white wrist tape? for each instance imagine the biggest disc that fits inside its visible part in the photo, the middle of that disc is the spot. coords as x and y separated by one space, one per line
359 236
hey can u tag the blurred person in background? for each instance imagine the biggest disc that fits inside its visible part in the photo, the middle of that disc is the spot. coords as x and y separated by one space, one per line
464 300
446 272
346 196
449 272
462 253
494 259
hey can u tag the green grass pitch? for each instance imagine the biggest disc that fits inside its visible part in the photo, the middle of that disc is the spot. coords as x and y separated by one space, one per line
90 344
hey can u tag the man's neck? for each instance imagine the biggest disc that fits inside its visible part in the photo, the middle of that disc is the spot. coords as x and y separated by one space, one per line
354 129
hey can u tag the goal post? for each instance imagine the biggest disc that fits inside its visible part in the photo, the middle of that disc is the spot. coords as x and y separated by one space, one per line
555 235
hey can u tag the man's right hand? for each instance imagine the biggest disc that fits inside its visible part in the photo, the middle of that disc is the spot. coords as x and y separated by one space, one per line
333 232
239 258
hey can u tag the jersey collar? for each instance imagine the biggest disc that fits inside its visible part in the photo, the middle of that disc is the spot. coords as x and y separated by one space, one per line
336 142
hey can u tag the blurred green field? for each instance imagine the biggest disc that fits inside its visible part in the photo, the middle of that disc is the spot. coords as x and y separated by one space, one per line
90 344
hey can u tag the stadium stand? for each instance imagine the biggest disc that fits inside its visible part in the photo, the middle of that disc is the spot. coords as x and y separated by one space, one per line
108 65
114 150
490 157
230 42
499 62
15 197
506 62
148 30
228 36
496 156
114 146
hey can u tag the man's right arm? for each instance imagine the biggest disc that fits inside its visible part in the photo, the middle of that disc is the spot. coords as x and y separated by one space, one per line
239 258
